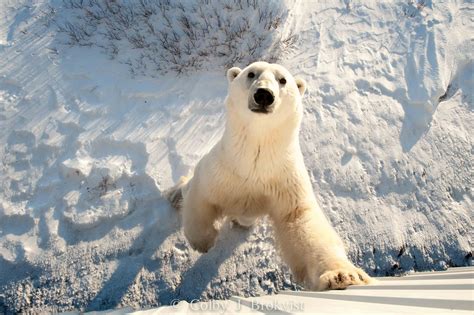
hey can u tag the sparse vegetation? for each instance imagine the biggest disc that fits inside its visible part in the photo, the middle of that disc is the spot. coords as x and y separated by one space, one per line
159 36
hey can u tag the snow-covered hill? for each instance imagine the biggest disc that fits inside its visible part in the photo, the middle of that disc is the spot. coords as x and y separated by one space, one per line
87 147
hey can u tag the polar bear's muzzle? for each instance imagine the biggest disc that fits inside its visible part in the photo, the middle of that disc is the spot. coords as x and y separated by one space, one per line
262 101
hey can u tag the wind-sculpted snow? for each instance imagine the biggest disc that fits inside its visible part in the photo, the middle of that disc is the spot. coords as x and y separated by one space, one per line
87 150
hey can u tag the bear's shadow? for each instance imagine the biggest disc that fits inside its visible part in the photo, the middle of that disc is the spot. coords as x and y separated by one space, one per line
194 281
159 226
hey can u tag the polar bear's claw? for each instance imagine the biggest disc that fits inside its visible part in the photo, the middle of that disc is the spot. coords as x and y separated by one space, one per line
342 278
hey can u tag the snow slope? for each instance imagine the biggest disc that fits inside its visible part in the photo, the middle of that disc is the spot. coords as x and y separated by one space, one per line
439 292
87 149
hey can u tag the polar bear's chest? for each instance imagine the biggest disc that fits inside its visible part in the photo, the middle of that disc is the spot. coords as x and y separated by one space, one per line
249 204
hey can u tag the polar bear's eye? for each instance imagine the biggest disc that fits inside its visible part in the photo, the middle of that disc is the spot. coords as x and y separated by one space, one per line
251 75
283 81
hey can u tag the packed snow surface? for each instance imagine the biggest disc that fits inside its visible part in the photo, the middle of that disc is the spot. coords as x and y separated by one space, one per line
439 292
88 145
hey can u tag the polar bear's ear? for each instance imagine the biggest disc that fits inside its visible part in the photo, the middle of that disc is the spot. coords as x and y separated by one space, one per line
232 73
301 84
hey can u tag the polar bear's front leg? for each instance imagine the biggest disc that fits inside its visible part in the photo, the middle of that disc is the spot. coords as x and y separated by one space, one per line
314 251
198 222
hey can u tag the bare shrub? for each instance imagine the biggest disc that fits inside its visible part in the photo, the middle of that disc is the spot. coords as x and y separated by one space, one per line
158 36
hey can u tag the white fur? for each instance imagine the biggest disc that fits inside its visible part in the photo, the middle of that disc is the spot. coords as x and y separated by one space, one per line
257 169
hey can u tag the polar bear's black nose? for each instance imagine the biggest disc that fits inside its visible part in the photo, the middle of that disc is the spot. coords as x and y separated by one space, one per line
263 97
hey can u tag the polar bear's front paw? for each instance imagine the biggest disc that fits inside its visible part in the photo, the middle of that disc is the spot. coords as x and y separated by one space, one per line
342 278
202 242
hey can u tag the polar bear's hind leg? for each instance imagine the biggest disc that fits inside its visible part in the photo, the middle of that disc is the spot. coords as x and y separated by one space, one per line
244 221
175 194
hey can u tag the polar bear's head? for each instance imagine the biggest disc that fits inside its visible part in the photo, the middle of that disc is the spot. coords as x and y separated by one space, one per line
264 92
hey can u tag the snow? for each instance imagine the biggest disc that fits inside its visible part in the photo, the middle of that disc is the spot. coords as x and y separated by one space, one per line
87 149
441 292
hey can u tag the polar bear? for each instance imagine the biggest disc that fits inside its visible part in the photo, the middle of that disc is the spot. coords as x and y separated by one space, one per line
257 169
